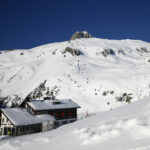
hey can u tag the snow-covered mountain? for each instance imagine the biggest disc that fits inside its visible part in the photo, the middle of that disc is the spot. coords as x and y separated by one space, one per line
98 74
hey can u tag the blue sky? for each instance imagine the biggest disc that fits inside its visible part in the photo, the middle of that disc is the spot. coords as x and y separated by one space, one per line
29 23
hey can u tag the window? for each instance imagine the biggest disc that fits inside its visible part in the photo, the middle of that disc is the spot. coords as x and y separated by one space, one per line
38 113
71 121
7 120
64 122
44 112
32 127
62 114
27 128
3 119
53 114
56 124
20 129
70 113
56 114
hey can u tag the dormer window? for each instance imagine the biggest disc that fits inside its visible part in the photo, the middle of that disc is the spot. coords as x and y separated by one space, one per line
55 103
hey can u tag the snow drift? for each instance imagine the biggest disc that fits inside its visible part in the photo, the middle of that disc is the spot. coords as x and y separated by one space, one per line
124 128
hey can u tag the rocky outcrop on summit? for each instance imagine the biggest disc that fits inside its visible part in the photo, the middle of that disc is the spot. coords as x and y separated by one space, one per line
79 35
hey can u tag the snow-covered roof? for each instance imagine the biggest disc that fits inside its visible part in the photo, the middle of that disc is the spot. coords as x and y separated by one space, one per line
20 116
52 104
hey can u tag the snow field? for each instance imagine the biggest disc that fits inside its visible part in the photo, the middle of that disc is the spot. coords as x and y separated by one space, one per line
124 128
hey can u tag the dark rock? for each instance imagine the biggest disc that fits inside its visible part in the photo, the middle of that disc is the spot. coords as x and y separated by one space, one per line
143 50
40 92
124 98
14 99
79 35
73 52
106 52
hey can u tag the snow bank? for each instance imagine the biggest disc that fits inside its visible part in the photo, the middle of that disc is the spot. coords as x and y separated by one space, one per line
124 128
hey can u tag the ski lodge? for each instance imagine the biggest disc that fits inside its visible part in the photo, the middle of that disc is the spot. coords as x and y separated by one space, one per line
37 116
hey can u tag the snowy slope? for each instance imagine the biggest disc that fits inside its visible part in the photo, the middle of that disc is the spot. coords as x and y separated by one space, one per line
91 79
124 128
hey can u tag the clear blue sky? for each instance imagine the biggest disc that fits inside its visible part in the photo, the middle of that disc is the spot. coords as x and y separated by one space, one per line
30 23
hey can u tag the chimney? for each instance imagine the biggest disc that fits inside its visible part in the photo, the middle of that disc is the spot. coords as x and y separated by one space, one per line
52 96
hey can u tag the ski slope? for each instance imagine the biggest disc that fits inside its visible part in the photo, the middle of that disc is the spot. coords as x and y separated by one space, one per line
92 79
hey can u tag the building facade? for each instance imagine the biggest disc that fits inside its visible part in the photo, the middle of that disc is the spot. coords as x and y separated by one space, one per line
18 121
37 116
64 111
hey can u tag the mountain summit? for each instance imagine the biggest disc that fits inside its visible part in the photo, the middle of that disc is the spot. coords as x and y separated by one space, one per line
79 35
